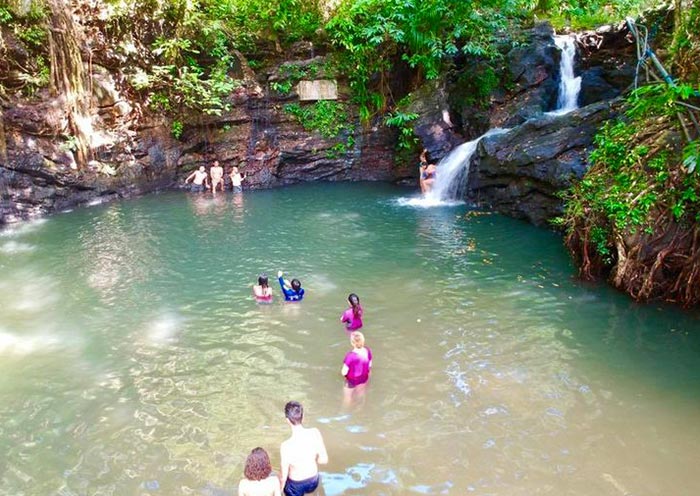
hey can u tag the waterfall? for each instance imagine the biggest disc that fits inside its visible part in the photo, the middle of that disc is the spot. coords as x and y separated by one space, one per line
453 170
569 86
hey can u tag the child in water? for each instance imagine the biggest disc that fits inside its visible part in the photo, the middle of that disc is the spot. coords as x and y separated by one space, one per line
262 291
352 317
292 290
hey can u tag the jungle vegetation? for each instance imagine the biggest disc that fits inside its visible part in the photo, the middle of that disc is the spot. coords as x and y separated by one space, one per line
636 215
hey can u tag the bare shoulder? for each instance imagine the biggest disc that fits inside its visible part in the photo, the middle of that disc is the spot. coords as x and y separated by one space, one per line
314 432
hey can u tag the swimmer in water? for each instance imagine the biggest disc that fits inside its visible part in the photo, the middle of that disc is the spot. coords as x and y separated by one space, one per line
262 291
356 369
429 177
292 290
352 317
217 176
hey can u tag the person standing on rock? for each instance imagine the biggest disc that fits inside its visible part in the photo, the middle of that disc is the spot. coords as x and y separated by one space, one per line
217 176
199 180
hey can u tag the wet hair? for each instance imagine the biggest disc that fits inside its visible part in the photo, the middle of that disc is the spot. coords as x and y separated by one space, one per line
262 280
296 284
357 339
354 301
294 412
257 465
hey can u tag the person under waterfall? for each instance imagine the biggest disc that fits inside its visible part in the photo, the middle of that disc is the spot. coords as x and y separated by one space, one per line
427 173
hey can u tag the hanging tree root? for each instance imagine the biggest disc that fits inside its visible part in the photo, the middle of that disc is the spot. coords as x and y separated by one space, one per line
662 266
68 75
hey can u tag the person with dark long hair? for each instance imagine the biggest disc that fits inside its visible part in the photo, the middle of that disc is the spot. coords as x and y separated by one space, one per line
352 317
262 291
258 479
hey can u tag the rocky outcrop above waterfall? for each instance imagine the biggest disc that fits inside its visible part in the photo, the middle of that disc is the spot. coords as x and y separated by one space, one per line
452 109
533 69
606 63
520 172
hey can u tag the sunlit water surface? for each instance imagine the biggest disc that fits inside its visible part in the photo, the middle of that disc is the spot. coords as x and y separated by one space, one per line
133 360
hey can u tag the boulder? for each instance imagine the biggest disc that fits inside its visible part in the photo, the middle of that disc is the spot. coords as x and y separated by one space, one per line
533 68
520 172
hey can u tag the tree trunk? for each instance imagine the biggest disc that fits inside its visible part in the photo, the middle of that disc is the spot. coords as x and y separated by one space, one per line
68 76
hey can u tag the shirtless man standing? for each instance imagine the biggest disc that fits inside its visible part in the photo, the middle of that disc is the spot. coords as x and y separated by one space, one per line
301 454
217 176
199 179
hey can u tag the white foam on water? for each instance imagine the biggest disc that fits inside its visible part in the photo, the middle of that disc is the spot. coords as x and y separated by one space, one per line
319 283
426 202
28 292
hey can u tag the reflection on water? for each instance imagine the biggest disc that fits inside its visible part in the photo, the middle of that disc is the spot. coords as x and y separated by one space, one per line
134 360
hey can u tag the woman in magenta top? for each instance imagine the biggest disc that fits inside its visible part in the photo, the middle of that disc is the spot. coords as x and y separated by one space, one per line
358 362
352 317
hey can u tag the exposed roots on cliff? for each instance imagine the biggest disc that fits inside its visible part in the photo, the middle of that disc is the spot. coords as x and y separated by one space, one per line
664 265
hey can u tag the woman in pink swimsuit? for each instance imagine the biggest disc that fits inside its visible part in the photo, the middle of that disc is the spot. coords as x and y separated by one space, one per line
262 291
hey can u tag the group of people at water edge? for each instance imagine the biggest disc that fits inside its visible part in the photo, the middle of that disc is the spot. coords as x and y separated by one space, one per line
200 180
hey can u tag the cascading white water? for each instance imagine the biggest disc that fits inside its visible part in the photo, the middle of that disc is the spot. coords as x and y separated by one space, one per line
569 85
453 170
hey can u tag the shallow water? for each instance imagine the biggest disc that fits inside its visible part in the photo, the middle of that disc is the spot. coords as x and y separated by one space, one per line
133 360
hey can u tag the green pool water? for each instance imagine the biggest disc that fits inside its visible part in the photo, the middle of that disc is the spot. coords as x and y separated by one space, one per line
133 360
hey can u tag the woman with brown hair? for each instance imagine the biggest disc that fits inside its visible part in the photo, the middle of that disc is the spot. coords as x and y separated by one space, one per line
257 480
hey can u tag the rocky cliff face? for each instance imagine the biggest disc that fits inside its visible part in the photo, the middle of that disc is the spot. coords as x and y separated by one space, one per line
134 151
520 172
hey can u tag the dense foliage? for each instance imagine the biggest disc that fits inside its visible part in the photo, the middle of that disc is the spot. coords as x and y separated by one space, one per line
640 201
636 213
182 53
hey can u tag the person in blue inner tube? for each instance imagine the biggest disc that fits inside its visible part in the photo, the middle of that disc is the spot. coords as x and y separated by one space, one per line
292 290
